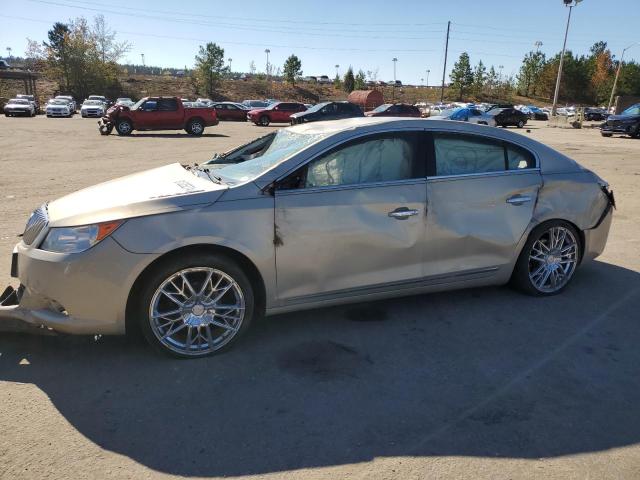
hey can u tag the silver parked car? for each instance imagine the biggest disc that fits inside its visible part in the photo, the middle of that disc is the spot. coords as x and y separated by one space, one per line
308 216
92 108
19 106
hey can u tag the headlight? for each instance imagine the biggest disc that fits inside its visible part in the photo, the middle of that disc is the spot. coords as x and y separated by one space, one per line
78 239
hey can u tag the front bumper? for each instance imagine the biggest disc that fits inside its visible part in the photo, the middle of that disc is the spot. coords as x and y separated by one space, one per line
82 293
620 128
58 113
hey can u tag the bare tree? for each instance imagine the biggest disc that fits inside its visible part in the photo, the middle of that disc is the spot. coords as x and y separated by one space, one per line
105 38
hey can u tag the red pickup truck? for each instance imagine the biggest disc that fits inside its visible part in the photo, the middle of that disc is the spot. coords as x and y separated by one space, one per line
157 113
275 113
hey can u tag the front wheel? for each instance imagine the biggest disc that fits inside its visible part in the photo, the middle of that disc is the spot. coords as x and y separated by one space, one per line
124 127
264 121
607 134
520 124
548 260
195 127
195 305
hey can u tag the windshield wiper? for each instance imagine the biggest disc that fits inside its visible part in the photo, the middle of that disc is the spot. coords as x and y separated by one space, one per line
213 178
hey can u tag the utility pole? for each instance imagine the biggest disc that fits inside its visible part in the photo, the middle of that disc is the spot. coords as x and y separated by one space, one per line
428 72
337 72
446 51
230 60
615 81
570 4
142 55
9 52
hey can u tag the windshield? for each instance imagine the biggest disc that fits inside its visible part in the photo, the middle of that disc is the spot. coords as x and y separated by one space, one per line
92 102
18 102
58 102
284 144
382 108
318 107
632 110
136 105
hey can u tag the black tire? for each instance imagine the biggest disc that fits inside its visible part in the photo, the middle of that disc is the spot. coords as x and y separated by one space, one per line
154 278
520 276
606 134
124 127
520 124
264 121
195 127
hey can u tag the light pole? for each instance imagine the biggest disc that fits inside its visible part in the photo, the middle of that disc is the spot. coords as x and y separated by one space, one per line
142 56
500 67
267 51
538 44
337 73
428 72
615 81
230 60
570 4
9 52
394 60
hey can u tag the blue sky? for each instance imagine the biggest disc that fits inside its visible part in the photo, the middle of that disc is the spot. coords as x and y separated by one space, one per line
323 33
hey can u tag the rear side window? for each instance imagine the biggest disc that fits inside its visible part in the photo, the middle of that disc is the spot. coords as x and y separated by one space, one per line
469 154
167 105
519 158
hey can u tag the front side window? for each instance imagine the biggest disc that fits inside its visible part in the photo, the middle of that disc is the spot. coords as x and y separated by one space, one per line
382 158
150 105
469 154
632 110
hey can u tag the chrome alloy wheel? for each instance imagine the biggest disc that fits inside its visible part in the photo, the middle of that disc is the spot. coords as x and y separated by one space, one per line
197 311
553 259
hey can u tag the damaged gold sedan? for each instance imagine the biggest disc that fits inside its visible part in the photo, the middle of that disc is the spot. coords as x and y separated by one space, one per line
308 216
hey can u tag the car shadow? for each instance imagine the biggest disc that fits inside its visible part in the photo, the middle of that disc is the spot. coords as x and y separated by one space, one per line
175 135
483 372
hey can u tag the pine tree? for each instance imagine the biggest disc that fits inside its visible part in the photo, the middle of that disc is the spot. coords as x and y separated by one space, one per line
479 78
292 69
462 75
349 81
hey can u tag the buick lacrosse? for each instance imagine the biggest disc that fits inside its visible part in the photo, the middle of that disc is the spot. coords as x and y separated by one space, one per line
308 216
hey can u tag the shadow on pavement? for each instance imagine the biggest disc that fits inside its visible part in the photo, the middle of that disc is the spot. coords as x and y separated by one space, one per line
485 372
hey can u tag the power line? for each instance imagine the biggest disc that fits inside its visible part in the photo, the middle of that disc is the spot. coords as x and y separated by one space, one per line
224 42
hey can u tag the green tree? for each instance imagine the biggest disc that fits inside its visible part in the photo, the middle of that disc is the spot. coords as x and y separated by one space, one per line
530 71
292 69
461 75
209 67
492 78
479 78
58 52
360 82
349 81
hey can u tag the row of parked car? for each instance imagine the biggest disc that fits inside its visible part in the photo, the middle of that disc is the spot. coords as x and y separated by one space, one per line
60 106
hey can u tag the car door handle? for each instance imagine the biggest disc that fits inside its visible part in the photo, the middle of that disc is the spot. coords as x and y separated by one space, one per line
518 199
402 213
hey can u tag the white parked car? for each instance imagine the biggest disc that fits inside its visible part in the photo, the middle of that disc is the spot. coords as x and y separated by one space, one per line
92 108
127 102
72 102
58 107
19 106
324 79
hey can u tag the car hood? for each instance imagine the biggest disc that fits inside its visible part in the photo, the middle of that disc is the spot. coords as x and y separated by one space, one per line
255 110
14 105
623 117
160 190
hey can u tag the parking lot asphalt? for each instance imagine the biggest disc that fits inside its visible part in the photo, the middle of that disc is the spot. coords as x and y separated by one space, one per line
482 383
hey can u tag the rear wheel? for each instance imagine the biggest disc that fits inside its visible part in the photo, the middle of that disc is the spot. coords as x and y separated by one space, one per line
124 127
520 124
548 260
195 305
195 127
606 134
264 121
